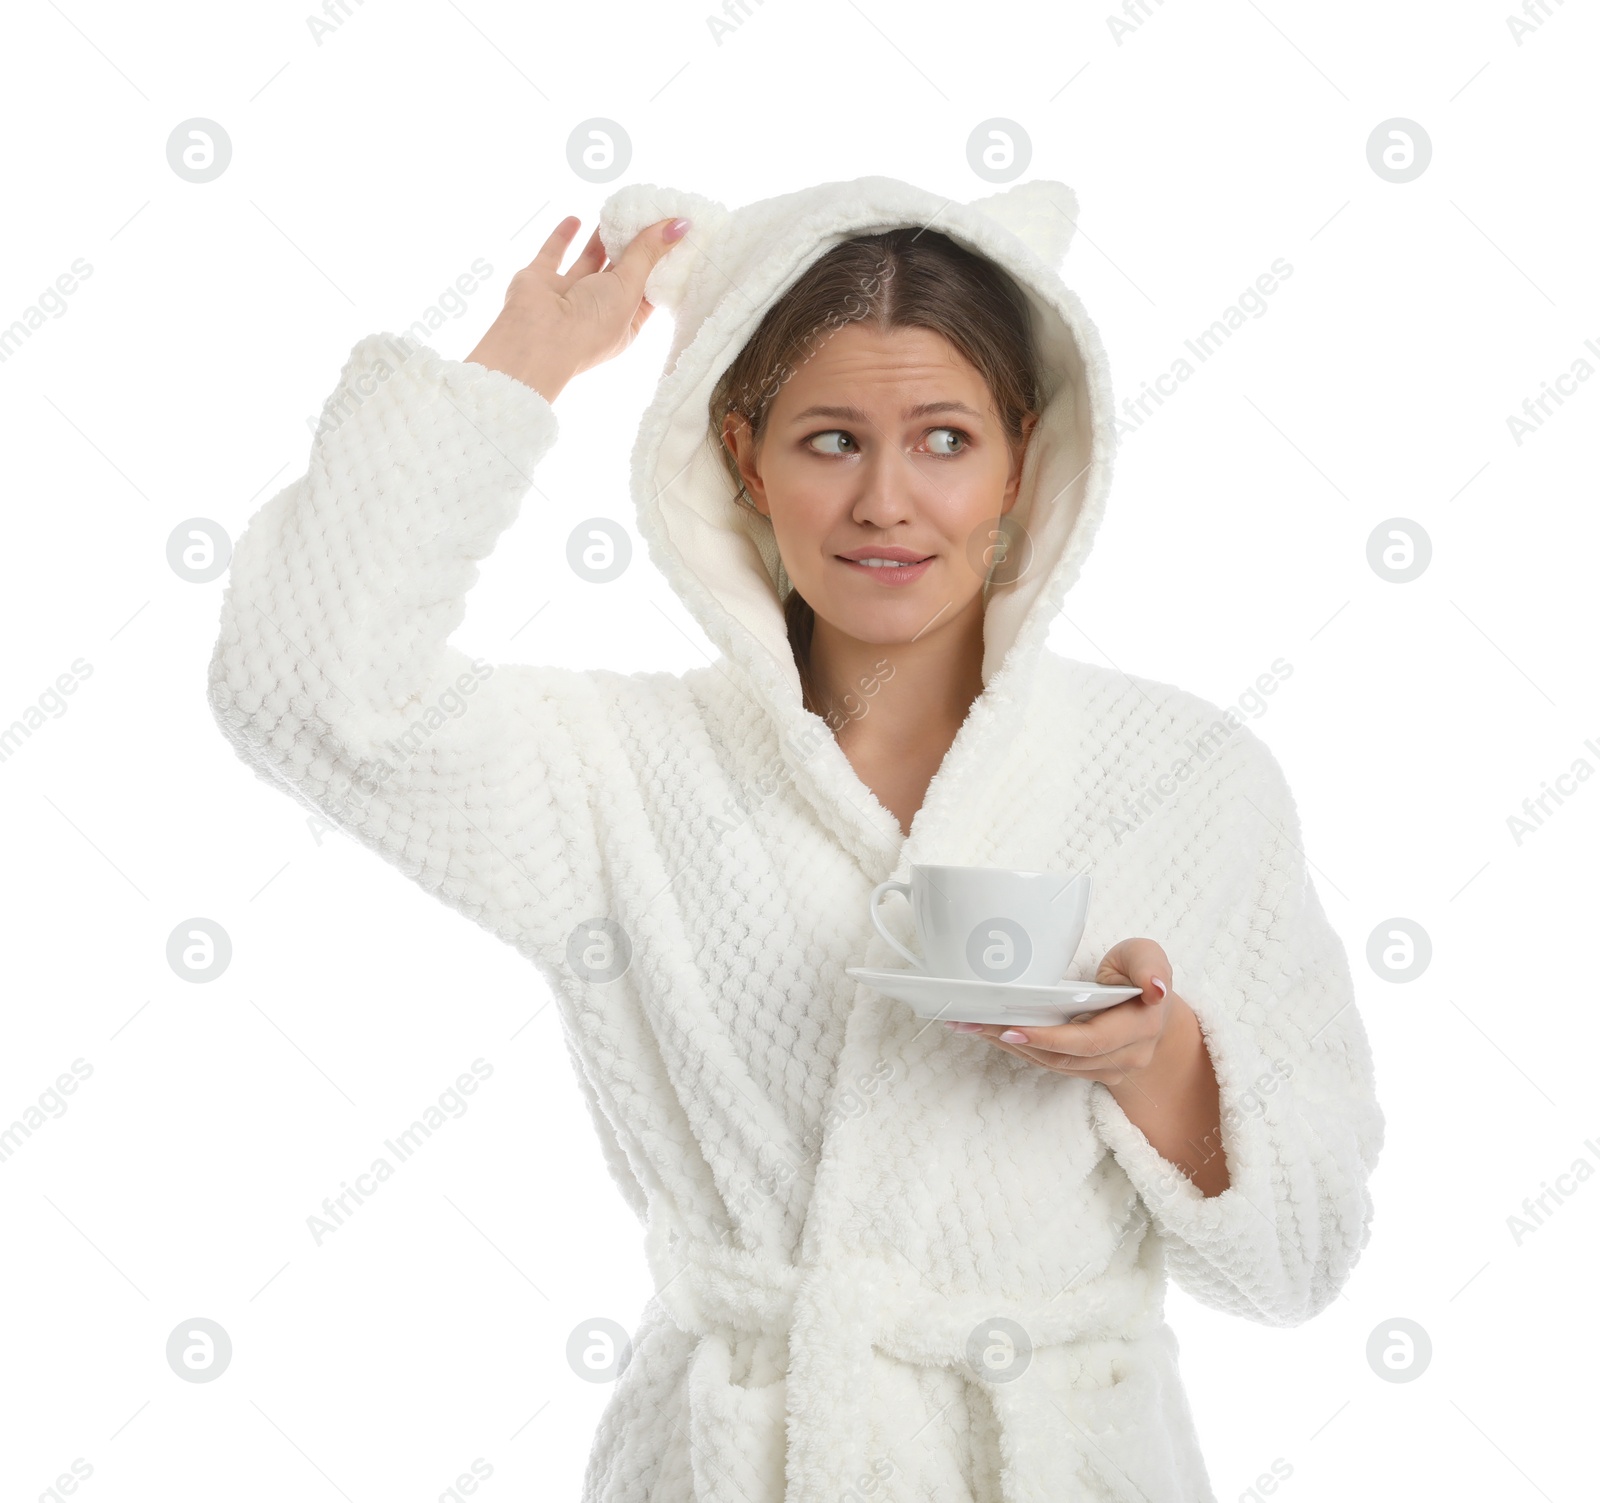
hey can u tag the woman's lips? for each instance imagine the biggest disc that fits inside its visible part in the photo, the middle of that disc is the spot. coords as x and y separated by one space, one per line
889 574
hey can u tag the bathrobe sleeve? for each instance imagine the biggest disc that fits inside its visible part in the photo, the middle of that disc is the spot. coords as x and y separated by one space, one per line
331 674
1301 1126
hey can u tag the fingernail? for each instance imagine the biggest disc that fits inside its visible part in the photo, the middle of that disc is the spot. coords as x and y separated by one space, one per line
967 1027
1014 1036
676 230
949 1023
1159 985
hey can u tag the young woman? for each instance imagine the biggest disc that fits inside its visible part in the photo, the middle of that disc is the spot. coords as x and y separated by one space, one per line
892 1260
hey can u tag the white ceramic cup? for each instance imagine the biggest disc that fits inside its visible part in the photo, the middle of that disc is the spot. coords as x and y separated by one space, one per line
989 923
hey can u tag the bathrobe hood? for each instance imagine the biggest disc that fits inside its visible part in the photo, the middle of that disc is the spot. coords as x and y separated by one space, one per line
719 282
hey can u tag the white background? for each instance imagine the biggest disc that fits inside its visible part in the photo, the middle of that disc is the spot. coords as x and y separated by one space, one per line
368 172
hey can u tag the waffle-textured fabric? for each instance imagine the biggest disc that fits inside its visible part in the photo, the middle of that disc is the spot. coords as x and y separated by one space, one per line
892 1263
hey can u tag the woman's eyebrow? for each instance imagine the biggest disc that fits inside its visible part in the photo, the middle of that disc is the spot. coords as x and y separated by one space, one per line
856 415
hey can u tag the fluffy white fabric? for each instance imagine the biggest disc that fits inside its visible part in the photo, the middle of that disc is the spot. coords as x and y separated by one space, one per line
842 1205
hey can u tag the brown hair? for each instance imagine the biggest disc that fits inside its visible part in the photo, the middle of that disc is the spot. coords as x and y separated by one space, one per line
897 279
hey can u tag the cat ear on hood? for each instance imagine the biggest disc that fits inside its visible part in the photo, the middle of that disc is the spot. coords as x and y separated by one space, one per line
1042 214
638 205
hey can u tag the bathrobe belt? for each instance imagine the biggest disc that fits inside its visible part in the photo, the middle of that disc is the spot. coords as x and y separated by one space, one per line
834 1315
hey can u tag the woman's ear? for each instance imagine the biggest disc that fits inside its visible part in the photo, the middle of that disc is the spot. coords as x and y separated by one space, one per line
738 440
631 208
1019 460
1042 214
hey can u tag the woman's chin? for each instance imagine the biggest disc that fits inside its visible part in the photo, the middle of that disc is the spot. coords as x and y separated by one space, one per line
887 623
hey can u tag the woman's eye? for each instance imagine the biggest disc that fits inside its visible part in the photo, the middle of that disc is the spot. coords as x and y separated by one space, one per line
934 438
832 433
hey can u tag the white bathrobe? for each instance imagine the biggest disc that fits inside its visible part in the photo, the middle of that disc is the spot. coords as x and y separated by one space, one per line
891 1262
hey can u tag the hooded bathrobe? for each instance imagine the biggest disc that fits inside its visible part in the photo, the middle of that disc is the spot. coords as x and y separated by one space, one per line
891 1262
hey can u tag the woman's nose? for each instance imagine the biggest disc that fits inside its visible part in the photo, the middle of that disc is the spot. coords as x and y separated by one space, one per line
885 490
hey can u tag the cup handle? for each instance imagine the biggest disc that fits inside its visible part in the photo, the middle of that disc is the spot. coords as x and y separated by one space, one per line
877 923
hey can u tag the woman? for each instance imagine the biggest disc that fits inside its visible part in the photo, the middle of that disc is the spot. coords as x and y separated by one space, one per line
892 1261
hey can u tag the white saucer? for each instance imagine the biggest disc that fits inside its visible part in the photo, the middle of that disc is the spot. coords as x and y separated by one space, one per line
963 1001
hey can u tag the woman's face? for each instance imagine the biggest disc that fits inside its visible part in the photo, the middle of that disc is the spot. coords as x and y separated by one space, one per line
882 445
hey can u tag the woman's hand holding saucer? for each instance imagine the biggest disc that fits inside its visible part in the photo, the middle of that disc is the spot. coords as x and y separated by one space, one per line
1115 1045
1149 1052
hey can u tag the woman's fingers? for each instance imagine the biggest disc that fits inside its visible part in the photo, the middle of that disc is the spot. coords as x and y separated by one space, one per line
1109 1044
1082 1039
554 248
1137 962
1068 1038
590 260
1122 1026
1116 1063
555 325
640 255
1087 1038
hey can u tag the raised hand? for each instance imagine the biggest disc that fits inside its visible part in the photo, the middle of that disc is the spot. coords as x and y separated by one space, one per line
557 324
